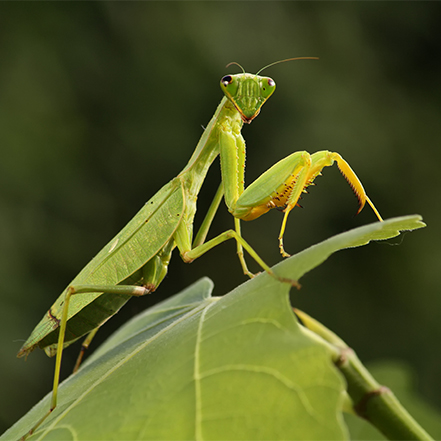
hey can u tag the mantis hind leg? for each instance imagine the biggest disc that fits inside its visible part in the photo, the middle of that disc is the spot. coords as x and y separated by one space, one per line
84 347
153 272
130 290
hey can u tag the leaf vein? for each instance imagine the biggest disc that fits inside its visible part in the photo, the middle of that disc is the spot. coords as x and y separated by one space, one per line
271 372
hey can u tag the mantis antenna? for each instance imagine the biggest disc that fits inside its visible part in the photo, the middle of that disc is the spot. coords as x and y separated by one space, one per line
272 64
283 61
237 64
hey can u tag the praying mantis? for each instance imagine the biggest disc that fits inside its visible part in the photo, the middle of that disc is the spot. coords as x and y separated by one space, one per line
135 262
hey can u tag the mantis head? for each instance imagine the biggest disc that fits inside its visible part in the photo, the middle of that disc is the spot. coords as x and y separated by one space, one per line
248 92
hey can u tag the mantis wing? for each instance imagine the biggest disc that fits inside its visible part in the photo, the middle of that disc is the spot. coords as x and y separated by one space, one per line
117 263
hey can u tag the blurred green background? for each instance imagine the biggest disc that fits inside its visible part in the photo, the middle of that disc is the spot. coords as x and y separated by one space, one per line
102 103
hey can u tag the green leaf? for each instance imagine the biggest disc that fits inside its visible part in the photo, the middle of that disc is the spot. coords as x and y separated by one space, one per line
236 367
299 264
202 367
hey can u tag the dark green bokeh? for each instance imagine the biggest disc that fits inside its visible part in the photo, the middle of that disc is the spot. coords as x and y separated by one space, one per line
103 103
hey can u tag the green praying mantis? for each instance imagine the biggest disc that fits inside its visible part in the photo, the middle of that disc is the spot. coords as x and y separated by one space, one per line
135 262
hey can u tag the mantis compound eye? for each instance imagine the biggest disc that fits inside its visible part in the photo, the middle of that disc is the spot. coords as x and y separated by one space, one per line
227 79
268 86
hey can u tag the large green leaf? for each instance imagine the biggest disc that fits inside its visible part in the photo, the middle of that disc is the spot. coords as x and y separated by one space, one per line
202 367
236 367
299 264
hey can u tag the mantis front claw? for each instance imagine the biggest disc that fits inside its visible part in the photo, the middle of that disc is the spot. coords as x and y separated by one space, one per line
282 185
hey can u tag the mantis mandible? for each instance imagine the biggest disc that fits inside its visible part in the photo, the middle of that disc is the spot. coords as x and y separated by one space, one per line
135 262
